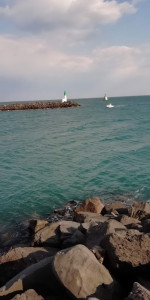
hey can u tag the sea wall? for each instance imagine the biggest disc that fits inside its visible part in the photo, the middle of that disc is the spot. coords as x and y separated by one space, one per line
82 251
38 105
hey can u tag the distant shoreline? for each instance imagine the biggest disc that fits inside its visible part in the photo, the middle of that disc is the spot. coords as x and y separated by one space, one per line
38 105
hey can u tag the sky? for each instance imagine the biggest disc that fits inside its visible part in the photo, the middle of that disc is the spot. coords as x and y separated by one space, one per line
86 47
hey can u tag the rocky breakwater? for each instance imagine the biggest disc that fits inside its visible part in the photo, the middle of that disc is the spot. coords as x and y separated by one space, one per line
38 105
89 251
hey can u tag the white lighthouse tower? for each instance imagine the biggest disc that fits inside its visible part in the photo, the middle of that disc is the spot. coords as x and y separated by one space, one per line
65 97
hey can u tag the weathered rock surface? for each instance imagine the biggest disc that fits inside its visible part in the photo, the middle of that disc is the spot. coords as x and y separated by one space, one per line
54 233
128 221
128 253
39 277
82 275
140 210
96 233
84 217
93 205
35 225
28 295
138 293
115 206
19 258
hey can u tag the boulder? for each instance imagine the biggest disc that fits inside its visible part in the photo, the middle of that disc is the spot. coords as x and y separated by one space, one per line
93 205
54 233
39 277
29 294
128 254
86 217
117 206
97 232
82 275
140 210
77 238
129 222
138 293
19 258
66 229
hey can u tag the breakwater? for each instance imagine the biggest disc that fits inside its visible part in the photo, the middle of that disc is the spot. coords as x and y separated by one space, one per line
38 105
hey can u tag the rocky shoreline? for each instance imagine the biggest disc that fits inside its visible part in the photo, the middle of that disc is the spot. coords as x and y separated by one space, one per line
38 105
82 251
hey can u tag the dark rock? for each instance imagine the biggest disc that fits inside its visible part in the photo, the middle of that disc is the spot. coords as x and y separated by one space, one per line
76 238
19 258
146 226
117 206
129 222
39 277
138 293
96 233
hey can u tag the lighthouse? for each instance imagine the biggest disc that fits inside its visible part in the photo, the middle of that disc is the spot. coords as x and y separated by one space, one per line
65 97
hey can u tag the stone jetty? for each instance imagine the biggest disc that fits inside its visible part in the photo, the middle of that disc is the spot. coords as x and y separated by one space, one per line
86 250
38 105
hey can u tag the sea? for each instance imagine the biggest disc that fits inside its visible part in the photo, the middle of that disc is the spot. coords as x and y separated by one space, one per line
49 157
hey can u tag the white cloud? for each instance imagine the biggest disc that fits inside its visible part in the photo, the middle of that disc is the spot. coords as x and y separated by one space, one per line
33 56
37 15
36 57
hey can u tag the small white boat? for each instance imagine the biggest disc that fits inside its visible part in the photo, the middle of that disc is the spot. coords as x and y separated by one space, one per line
105 98
65 97
109 105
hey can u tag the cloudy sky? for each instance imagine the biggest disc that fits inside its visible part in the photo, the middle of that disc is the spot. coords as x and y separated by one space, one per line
88 47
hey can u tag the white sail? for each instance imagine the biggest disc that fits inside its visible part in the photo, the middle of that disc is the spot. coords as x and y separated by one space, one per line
105 98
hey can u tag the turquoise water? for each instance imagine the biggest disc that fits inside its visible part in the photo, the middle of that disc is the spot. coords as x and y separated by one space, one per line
49 157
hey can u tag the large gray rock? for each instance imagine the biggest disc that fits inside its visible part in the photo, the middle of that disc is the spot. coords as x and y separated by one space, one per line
19 258
93 205
54 233
82 275
138 293
128 253
96 233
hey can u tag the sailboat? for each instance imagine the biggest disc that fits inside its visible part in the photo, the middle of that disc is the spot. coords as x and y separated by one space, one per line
65 97
105 98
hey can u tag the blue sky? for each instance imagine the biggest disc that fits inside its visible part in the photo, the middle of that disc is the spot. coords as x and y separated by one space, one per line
86 47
